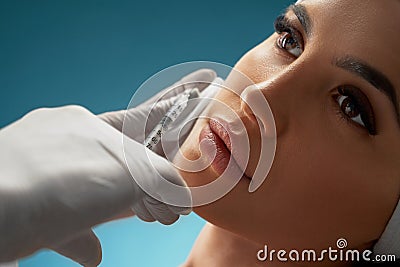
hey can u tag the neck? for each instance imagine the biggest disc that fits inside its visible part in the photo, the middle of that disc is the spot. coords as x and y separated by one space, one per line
218 247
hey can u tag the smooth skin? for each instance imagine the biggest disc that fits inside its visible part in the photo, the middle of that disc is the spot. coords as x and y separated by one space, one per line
331 178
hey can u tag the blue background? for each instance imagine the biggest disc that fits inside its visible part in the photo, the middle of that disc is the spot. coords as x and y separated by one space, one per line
95 54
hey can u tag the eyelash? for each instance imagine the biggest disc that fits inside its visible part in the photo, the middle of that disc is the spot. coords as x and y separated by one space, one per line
351 96
288 35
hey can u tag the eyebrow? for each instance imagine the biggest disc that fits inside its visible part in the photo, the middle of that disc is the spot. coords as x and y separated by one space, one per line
352 64
302 15
372 76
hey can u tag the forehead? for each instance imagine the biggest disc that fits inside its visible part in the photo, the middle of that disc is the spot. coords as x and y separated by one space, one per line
368 24
366 29
357 10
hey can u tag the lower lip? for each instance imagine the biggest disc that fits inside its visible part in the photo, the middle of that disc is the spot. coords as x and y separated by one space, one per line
222 154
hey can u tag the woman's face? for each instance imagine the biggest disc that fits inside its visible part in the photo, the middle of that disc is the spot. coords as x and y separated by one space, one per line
330 74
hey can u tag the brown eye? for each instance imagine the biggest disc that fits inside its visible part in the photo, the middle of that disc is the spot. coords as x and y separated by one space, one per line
349 107
289 43
289 39
355 106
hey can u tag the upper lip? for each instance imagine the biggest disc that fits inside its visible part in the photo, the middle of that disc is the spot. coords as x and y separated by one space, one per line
223 129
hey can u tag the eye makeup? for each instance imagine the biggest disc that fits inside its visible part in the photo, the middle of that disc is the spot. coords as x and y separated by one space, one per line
351 103
354 106
290 38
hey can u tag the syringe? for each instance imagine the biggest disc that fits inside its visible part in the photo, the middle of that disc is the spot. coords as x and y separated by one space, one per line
172 114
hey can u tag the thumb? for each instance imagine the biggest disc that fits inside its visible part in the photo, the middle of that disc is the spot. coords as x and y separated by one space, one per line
84 249
199 79
139 121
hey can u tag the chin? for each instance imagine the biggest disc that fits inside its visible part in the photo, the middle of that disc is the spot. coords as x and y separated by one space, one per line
225 211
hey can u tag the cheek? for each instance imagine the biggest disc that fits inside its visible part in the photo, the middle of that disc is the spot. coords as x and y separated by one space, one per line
262 62
317 192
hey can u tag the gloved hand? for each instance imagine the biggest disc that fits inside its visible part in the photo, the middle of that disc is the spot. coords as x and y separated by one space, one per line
200 79
62 171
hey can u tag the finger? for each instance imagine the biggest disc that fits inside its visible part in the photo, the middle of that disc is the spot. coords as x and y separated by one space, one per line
141 121
179 194
141 212
84 249
180 210
114 118
160 211
138 121
199 79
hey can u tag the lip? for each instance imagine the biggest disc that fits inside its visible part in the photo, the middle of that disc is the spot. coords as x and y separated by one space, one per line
222 155
218 132
225 132
222 133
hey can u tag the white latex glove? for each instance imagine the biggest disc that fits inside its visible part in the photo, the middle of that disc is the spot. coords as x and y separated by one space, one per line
136 117
62 171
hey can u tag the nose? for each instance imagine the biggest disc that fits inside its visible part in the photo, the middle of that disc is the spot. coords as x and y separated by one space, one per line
281 94
278 99
256 107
